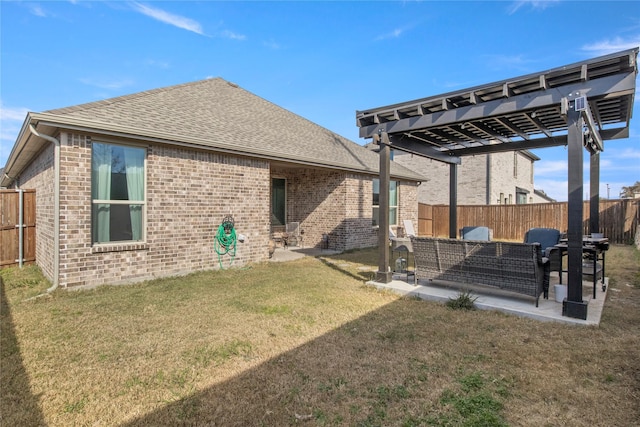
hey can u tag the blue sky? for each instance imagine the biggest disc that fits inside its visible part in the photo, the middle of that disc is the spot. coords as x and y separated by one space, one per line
321 60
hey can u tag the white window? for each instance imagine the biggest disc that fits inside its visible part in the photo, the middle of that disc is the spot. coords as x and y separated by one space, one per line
521 196
393 202
117 193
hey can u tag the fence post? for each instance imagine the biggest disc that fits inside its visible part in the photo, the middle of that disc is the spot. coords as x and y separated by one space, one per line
20 227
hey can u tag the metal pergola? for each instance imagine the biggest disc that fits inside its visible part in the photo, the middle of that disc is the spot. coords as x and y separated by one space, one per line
580 106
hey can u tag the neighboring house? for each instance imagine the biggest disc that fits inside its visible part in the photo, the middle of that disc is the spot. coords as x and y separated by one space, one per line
486 179
135 187
540 196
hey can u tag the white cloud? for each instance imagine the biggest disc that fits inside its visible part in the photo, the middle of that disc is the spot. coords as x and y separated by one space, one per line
550 167
272 45
233 36
611 190
10 122
556 189
391 35
158 64
616 44
9 134
13 114
11 119
107 84
169 18
534 4
36 10
629 153
514 62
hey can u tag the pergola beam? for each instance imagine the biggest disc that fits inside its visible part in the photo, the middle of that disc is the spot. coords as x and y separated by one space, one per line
554 141
411 144
594 133
619 84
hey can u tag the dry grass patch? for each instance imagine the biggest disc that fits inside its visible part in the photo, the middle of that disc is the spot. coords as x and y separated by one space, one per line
307 342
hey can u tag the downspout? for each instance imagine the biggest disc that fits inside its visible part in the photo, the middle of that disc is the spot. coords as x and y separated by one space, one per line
56 205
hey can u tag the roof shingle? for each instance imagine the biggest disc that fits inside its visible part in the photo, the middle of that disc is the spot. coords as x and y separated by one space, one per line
217 114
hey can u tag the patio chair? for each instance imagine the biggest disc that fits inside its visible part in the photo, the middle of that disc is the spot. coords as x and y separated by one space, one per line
294 234
399 243
392 234
409 231
475 233
402 246
548 238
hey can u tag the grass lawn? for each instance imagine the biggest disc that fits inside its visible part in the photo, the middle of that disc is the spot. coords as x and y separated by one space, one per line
307 343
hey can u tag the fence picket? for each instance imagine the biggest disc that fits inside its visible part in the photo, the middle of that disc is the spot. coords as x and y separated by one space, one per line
619 219
10 227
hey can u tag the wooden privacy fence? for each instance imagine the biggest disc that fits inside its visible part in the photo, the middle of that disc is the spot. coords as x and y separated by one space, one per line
618 219
17 227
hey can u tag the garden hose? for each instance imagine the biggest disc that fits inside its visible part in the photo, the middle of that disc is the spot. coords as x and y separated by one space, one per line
225 240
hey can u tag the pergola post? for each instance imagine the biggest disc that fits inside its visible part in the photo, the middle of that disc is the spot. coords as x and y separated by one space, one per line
384 274
594 202
453 200
574 306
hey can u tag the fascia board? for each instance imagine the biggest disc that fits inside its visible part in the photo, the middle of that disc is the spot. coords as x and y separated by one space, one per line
112 129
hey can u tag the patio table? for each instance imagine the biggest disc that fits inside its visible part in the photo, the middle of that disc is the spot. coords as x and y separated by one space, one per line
595 248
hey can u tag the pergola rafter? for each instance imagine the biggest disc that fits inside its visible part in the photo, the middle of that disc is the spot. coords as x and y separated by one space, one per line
519 109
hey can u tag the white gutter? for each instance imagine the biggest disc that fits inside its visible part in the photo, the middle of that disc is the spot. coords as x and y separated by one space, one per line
151 135
56 205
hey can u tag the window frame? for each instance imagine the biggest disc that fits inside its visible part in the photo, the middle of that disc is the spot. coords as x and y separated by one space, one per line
375 206
521 196
119 202
271 208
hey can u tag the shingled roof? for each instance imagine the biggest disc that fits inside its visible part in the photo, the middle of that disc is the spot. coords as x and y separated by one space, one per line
212 114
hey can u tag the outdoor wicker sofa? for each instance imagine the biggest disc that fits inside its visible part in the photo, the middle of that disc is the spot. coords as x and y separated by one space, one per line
515 267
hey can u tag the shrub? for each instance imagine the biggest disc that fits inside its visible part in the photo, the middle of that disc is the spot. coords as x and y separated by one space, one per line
464 301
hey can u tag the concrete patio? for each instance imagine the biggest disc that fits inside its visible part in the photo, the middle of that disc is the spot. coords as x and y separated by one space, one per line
548 310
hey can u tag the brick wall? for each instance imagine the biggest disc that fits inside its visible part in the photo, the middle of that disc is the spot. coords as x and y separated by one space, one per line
39 176
473 186
508 171
188 194
328 201
339 204
408 208
358 231
75 211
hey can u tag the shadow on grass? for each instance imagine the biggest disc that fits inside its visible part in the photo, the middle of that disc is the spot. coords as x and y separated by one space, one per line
16 392
307 384
410 363
338 379
362 275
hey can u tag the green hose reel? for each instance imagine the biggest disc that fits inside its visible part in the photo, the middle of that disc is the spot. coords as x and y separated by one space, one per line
225 240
